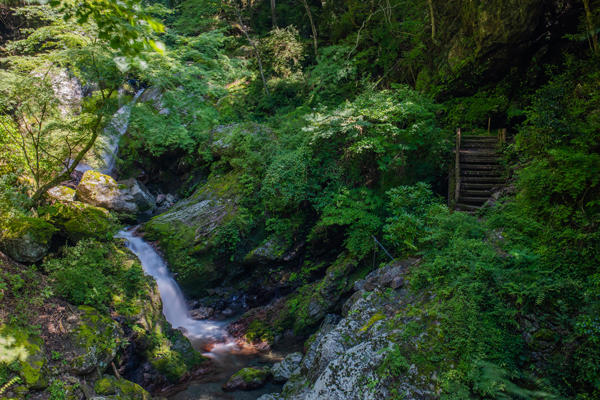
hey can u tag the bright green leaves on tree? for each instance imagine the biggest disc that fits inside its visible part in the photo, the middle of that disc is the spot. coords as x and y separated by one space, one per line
123 24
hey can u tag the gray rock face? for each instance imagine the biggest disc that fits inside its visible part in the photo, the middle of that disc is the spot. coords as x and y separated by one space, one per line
283 370
128 196
391 276
342 358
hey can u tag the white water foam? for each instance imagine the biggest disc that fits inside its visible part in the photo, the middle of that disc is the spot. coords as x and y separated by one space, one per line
175 308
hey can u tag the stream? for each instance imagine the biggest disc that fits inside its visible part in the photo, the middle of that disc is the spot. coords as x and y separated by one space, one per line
228 356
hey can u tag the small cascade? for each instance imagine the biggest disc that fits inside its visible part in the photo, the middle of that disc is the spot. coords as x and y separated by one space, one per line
175 308
114 130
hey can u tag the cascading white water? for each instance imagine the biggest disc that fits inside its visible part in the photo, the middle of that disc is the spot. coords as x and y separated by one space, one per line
174 306
110 140
114 130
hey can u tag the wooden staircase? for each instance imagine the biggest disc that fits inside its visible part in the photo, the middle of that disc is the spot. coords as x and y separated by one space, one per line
477 171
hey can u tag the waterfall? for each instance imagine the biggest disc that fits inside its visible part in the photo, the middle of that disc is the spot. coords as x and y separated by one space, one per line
114 130
175 308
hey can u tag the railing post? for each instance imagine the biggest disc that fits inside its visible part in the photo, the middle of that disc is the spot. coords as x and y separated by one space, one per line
457 167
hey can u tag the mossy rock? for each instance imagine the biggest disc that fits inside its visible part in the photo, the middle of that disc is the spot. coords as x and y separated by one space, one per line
171 353
94 343
23 354
189 234
61 194
78 220
121 389
25 239
247 379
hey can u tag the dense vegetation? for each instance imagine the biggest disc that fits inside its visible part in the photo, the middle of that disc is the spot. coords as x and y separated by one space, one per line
331 124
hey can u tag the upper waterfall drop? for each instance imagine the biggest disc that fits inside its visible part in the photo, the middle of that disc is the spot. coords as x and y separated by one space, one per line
114 130
175 308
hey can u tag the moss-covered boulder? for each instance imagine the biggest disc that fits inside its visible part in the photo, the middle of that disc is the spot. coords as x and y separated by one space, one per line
78 220
191 233
128 197
247 379
25 239
93 341
22 355
120 389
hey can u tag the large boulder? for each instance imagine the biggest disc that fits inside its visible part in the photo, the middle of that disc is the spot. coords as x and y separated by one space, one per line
25 239
190 230
129 196
92 341
78 220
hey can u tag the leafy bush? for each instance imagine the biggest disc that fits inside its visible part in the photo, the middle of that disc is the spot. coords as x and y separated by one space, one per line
93 273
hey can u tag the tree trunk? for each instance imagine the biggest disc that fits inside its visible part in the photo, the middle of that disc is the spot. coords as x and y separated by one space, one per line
312 27
592 36
432 15
273 15
67 174
254 47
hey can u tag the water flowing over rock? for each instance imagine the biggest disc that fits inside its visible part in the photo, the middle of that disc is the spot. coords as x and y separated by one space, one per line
113 132
175 308
129 196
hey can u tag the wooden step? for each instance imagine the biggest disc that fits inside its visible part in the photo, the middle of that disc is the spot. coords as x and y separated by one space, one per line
478 186
476 145
491 174
472 199
475 193
479 152
482 179
480 167
465 207
479 159
479 138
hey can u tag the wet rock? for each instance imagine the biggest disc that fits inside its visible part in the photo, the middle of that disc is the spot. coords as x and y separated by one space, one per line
202 313
282 371
128 196
247 379
273 396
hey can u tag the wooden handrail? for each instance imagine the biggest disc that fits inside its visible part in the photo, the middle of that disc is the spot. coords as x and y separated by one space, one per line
457 167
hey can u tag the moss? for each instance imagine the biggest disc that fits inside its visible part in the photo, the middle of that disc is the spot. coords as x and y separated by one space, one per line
260 331
121 388
98 338
105 386
24 354
78 220
172 355
251 375
372 321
